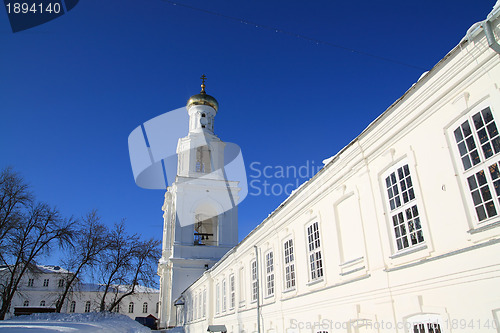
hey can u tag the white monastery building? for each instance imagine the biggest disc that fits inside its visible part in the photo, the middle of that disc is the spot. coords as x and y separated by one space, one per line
399 232
42 285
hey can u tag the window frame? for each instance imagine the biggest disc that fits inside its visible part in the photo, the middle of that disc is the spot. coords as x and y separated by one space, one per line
270 278
408 209
217 298
131 307
46 282
87 307
224 295
314 247
484 165
254 288
72 307
145 307
290 278
232 292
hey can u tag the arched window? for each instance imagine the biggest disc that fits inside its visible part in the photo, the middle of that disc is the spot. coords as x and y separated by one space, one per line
72 306
205 229
131 307
145 307
203 163
26 303
42 303
87 306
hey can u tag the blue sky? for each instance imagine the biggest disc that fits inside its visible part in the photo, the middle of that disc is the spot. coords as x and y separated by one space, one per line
73 89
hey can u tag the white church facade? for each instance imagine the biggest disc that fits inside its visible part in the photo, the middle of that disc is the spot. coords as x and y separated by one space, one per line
399 232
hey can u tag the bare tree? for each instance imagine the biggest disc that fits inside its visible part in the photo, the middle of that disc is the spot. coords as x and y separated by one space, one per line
89 242
15 196
37 229
143 271
127 262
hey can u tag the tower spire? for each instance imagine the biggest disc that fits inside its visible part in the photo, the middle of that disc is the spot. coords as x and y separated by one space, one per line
203 78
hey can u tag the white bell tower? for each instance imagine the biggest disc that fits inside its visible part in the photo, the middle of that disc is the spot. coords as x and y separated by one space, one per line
200 208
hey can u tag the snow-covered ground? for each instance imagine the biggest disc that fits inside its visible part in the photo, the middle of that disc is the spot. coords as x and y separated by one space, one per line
77 322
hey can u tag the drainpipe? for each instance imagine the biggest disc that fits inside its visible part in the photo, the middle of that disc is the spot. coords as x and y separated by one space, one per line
258 287
490 36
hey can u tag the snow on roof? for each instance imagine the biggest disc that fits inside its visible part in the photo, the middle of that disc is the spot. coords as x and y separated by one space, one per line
52 269
81 322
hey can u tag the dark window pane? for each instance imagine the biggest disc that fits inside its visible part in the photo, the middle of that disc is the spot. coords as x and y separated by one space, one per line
405 197
400 173
403 229
475 157
494 171
393 178
470 143
400 218
405 242
496 145
413 239
483 137
485 192
388 182
478 121
476 197
415 210
481 178
408 214
395 220
400 246
411 227
487 115
462 148
393 205
491 209
487 150
466 128
398 202
497 187
472 182
466 162
492 130
420 236
412 195
481 213
396 231
417 223
407 170
458 135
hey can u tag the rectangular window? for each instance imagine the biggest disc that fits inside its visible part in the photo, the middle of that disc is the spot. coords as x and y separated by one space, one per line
61 283
204 303
270 273
478 146
289 265
217 298
31 282
224 295
404 214
232 303
46 282
254 286
241 286
195 306
314 247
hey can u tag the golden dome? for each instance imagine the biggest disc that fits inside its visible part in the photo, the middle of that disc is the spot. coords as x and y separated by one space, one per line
202 98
